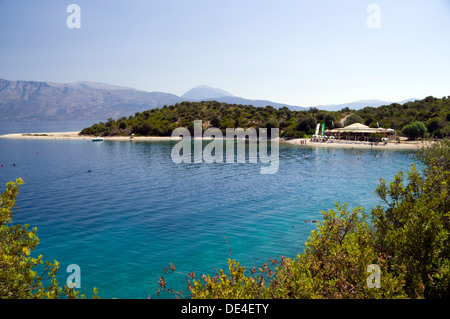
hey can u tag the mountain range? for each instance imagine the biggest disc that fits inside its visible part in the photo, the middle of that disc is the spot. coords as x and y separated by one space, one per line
202 92
49 101
360 104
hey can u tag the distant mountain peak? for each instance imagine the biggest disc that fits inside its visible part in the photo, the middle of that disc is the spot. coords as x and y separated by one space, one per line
357 105
203 92
204 86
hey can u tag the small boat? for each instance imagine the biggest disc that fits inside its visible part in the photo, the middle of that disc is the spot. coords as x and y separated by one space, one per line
97 139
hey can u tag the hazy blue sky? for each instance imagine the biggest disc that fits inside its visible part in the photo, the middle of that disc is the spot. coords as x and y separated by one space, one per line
289 51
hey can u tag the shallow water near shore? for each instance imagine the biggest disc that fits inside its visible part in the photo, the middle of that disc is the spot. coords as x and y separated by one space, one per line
136 211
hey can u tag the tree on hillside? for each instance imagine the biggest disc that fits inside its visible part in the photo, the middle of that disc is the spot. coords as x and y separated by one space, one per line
414 130
354 118
434 124
313 110
329 120
307 125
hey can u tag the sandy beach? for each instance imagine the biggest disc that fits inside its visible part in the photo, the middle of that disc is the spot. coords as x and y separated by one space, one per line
411 145
75 136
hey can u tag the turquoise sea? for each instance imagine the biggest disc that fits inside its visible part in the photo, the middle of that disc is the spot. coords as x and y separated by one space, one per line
137 211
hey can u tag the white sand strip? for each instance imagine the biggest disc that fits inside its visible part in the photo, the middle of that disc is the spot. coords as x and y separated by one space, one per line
411 145
75 136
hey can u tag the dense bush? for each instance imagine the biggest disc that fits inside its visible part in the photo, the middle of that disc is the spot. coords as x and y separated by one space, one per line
414 130
414 231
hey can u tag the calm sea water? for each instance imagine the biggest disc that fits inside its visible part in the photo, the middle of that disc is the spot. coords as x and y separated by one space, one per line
137 211
43 127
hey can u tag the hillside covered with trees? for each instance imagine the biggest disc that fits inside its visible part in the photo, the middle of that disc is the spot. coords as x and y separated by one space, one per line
161 122
434 113
429 117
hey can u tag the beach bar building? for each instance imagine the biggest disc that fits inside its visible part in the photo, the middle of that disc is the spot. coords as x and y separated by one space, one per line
361 132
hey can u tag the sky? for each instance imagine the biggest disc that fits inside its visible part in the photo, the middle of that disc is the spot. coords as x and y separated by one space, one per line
303 53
